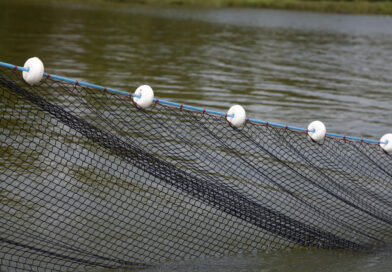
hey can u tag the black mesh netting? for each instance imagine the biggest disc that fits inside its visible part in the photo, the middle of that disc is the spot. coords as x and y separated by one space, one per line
89 181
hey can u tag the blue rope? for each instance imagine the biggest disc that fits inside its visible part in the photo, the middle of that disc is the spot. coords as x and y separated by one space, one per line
178 105
64 79
187 107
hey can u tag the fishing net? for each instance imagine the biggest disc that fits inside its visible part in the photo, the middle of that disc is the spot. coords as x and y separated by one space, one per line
90 181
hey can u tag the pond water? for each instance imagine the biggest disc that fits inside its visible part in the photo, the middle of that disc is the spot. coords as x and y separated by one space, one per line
282 66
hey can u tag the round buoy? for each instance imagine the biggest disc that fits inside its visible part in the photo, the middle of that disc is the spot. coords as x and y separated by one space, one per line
236 116
317 131
386 142
36 71
146 96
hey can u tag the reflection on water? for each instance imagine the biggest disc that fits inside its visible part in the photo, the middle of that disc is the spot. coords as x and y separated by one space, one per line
288 67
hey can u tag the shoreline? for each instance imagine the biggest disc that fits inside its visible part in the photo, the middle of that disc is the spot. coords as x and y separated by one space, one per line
326 6
360 7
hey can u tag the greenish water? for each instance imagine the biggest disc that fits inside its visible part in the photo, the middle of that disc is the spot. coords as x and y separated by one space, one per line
287 67
291 260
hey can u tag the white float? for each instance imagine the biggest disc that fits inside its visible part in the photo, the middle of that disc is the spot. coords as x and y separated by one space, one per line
36 71
146 96
386 142
317 131
236 116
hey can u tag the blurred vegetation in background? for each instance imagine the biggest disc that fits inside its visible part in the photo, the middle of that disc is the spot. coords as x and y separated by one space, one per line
333 6
339 6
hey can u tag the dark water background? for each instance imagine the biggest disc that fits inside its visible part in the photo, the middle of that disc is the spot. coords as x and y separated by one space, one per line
282 66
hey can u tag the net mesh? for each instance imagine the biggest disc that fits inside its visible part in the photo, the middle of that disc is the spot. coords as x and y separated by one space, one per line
90 181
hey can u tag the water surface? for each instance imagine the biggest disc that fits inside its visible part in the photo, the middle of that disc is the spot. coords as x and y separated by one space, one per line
287 67
283 66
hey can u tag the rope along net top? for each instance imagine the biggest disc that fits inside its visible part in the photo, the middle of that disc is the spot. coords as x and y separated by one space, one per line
89 181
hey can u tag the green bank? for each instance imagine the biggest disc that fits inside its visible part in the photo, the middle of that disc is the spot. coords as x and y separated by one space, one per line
382 7
343 6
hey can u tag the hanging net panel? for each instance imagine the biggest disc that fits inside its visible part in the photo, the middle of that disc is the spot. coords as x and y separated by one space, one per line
89 180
